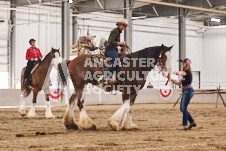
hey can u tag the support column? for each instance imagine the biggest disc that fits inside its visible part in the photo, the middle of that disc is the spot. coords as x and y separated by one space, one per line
128 15
74 29
65 28
182 35
12 45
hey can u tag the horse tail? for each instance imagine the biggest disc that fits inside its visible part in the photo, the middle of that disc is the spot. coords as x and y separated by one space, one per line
25 88
62 75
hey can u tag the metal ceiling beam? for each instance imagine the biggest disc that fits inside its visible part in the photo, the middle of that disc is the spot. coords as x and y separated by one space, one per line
90 6
30 2
182 6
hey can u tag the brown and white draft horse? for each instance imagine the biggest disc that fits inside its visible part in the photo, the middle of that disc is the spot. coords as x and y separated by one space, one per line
38 80
162 58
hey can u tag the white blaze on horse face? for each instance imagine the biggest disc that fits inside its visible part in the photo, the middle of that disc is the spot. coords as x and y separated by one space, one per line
56 59
57 55
168 64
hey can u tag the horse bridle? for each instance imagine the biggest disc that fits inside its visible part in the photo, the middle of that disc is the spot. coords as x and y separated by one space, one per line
160 61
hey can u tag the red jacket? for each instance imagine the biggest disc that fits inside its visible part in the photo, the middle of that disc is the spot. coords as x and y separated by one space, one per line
33 52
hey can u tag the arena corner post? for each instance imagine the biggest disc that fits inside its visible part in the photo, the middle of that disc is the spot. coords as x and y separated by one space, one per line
182 34
65 29
128 15
12 44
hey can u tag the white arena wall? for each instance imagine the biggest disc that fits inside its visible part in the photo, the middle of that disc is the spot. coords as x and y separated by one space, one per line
11 98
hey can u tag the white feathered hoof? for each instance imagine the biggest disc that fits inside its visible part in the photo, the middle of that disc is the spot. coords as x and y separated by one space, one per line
85 122
48 113
114 125
127 123
32 115
22 112
130 126
49 116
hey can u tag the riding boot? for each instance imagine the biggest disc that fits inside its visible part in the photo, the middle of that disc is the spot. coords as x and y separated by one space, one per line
102 79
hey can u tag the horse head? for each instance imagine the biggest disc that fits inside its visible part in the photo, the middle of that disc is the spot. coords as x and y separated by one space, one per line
55 53
164 60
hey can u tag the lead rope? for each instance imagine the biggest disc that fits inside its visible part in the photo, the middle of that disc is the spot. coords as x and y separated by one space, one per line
103 73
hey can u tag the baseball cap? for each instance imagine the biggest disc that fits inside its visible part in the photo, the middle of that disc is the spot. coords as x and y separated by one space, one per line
186 60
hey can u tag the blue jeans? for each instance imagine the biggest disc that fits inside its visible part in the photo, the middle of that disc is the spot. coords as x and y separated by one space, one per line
112 52
185 100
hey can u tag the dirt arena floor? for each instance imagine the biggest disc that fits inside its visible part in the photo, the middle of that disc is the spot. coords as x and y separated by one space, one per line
158 130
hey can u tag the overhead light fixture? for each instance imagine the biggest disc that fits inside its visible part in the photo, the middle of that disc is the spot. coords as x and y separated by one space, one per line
216 20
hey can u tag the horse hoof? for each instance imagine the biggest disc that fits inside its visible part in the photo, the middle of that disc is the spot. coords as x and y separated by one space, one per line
92 127
50 117
22 112
69 123
32 115
71 126
114 125
130 127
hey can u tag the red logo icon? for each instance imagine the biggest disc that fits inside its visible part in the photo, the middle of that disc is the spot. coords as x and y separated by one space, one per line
54 96
165 94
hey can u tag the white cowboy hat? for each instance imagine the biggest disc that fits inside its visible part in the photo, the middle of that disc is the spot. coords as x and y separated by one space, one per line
122 21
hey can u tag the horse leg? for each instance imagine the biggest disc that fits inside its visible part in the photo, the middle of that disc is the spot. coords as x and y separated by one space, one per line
116 118
127 120
69 113
85 122
48 113
22 105
31 113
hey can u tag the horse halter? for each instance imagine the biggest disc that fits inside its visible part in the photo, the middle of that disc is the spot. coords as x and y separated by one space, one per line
160 61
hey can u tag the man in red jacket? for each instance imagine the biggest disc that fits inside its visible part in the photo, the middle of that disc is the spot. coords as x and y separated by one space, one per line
33 56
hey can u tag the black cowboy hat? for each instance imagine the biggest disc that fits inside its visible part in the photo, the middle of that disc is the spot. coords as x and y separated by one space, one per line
31 40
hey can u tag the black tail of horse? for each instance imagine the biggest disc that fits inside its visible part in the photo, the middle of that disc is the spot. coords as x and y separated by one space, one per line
62 75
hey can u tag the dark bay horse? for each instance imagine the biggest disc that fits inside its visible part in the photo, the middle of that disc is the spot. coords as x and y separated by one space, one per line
39 80
78 69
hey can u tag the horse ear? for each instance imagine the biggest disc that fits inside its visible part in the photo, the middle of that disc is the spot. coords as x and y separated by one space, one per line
162 46
52 48
171 47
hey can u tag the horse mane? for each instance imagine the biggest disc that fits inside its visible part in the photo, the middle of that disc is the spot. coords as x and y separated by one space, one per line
149 52
46 58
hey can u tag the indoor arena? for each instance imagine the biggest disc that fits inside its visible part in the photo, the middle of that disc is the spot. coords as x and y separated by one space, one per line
95 75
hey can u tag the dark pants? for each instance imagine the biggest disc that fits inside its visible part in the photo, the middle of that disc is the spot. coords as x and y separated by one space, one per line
30 65
185 100
112 52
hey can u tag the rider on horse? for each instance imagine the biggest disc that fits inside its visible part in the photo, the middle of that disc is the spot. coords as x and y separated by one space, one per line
111 50
33 56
